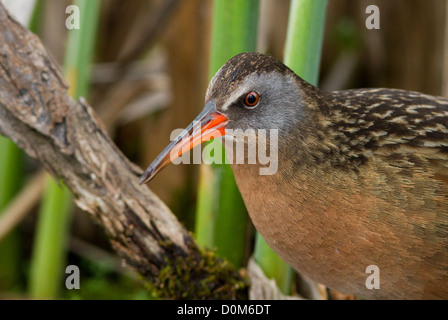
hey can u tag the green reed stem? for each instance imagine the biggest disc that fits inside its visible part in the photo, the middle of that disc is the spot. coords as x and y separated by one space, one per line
49 251
221 217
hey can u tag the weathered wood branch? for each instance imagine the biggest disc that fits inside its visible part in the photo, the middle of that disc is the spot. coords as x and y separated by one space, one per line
66 136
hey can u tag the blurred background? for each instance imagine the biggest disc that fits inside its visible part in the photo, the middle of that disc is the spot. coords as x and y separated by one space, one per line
146 69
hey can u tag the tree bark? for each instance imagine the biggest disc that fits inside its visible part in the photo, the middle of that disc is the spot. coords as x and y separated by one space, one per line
66 136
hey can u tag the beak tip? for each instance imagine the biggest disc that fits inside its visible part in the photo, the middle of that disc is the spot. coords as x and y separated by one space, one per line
146 177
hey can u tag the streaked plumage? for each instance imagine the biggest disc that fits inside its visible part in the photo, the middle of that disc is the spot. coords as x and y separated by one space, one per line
362 180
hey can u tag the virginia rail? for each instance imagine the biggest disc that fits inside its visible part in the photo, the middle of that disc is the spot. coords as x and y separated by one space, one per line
362 176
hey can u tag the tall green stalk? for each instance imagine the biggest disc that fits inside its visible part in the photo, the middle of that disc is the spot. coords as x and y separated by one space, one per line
221 217
304 38
54 217
302 54
11 180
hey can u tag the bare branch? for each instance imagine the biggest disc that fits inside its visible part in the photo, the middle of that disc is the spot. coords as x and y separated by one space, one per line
37 113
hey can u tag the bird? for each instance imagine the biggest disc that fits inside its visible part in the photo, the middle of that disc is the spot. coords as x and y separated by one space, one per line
361 183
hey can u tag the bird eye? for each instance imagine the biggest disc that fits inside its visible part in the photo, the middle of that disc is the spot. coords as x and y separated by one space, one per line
251 99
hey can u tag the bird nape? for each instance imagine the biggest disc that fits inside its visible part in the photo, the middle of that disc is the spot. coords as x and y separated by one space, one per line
361 183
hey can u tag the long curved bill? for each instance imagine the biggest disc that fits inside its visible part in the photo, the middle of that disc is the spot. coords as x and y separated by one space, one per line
207 125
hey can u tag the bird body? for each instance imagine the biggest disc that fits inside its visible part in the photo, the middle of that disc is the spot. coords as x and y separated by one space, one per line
353 195
362 178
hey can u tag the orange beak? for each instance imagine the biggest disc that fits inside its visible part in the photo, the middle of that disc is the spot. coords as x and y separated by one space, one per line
208 124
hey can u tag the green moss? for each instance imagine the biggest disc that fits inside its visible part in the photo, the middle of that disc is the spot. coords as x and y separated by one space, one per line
200 275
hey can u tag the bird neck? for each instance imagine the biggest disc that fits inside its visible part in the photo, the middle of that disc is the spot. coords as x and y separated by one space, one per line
308 140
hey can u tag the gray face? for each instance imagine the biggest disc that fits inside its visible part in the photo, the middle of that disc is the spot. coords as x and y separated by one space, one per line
278 106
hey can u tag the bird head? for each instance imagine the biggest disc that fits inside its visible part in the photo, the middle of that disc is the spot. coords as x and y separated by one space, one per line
251 91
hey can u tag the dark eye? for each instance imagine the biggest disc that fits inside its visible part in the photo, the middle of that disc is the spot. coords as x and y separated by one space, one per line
251 99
